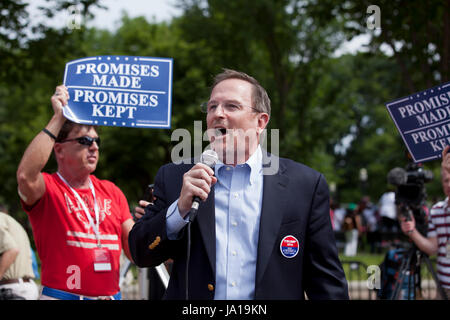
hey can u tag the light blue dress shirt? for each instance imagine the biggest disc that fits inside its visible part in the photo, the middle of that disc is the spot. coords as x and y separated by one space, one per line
238 201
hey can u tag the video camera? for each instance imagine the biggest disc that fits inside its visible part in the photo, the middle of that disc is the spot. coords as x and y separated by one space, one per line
411 194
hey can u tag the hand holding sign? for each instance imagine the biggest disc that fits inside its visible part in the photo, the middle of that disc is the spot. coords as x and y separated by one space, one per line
445 164
120 91
59 99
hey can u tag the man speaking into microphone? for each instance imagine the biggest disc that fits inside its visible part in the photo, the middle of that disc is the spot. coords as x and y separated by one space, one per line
255 235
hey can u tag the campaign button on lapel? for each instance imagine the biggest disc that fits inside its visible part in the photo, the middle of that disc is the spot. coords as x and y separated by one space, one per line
289 246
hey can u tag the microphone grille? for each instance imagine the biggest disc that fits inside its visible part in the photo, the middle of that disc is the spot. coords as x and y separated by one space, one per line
209 157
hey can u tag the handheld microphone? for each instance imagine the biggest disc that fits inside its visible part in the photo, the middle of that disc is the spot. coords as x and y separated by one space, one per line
210 158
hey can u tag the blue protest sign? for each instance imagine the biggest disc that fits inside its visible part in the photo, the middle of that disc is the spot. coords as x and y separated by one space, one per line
123 91
423 120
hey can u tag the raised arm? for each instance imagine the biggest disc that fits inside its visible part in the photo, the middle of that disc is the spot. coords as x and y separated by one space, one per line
31 186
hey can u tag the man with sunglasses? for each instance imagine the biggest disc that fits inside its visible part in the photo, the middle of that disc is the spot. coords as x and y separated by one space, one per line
80 223
258 234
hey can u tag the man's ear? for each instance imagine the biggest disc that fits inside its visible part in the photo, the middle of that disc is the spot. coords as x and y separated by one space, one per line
57 149
263 120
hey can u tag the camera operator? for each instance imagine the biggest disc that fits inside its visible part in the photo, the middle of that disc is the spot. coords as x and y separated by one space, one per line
437 240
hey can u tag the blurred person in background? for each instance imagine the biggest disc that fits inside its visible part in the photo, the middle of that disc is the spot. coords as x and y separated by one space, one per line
388 212
369 218
437 239
352 229
16 271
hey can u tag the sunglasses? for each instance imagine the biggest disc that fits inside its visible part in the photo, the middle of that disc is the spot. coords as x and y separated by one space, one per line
86 141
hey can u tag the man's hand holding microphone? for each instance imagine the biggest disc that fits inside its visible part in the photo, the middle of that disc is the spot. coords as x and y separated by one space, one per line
197 184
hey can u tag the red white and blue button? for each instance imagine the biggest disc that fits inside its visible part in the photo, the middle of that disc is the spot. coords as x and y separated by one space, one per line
289 246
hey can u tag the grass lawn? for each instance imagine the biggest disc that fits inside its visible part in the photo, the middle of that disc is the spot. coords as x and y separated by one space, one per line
366 258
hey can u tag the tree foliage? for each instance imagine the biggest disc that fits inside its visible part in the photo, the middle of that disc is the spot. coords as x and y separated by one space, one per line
415 33
329 109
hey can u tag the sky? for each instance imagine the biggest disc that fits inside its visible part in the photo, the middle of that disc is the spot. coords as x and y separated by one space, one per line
159 10
153 10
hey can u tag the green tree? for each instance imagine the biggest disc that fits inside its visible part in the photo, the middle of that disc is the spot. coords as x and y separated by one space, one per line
415 33
414 40
330 110
29 71
362 134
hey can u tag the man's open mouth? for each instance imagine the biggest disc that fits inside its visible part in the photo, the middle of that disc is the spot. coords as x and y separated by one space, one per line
221 131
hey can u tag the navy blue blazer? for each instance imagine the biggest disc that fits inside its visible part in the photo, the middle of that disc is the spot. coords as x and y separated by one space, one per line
295 202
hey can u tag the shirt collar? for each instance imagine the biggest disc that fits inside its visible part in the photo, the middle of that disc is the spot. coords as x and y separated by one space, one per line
254 163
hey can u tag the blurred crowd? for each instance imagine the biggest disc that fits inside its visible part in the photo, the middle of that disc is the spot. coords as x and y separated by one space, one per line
364 223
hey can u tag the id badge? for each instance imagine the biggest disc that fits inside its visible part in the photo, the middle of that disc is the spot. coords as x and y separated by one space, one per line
102 260
447 250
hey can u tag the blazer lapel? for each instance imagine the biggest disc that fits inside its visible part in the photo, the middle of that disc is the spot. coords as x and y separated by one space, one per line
207 224
274 200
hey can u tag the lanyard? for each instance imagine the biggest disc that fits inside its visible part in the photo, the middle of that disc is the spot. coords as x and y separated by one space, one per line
95 226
